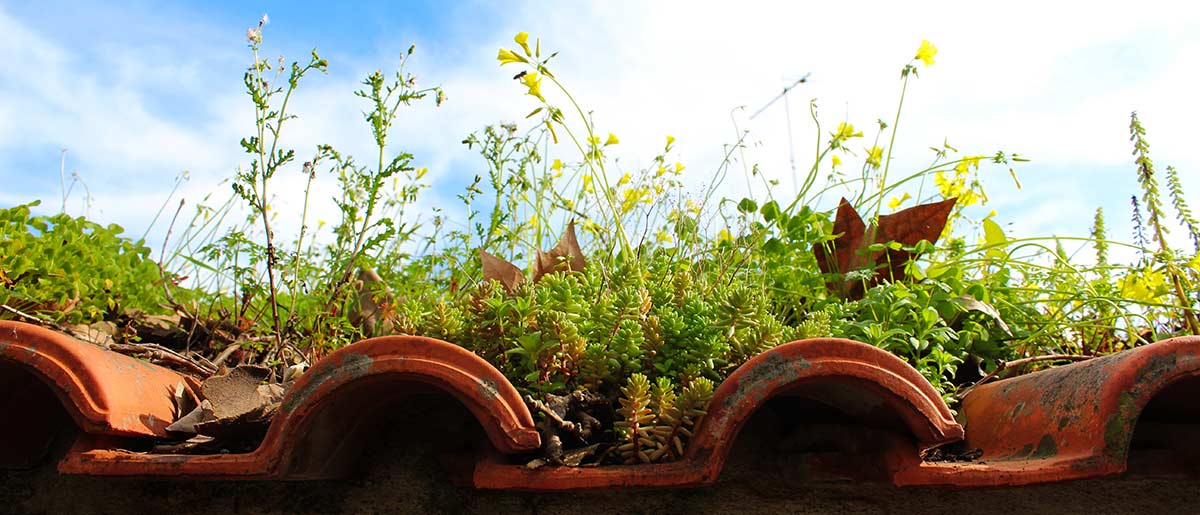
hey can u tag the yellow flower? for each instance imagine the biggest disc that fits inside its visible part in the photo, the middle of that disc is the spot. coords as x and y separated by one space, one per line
663 237
522 38
587 183
670 140
660 172
624 180
1147 288
533 81
875 157
612 139
836 161
679 167
926 52
557 166
594 140
633 196
896 201
1195 262
724 236
964 167
508 56
948 187
846 131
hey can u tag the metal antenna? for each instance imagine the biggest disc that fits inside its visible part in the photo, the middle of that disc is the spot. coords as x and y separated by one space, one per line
798 82
788 115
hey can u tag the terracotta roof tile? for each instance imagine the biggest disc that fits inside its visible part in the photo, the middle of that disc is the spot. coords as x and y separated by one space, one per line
1069 422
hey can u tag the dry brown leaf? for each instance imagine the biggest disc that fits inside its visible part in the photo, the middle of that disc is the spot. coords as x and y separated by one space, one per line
908 227
99 333
186 424
239 403
848 229
852 239
235 392
566 255
498 269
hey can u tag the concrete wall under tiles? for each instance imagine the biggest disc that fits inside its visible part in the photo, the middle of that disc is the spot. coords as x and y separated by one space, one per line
405 477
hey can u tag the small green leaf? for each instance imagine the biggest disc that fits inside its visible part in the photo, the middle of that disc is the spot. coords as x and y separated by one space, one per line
770 211
993 234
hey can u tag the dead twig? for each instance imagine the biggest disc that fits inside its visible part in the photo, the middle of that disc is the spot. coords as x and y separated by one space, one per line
226 353
1006 365
162 272
36 319
159 353
203 361
558 420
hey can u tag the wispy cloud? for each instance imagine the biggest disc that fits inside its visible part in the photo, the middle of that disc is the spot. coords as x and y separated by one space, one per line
1055 83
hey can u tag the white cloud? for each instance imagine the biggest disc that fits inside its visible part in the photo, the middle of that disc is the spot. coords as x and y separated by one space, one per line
1054 82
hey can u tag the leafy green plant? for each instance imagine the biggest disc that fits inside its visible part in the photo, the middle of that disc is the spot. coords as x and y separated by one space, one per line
74 270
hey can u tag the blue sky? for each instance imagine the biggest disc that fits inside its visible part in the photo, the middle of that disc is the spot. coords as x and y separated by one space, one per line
138 93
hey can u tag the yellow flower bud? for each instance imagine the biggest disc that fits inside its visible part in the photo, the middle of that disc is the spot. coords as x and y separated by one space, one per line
508 56
522 38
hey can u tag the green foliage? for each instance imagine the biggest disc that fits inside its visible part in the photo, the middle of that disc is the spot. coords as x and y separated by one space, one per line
582 330
657 421
1183 212
74 270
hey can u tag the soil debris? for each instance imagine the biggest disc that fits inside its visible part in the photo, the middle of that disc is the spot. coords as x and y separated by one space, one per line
568 426
951 453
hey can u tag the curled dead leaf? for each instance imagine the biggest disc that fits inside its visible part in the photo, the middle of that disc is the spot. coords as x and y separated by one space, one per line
498 269
908 227
852 241
566 255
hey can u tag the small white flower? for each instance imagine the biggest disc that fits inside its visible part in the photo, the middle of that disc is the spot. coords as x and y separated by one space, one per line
254 35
